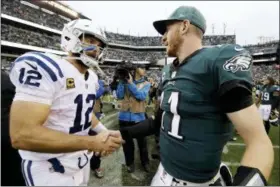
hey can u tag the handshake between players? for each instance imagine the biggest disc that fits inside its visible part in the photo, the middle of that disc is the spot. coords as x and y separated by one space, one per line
106 142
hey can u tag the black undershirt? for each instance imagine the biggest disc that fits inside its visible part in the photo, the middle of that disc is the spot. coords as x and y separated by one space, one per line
235 95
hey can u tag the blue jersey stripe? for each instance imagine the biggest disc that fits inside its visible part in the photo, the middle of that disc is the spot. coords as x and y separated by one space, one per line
40 63
29 173
51 61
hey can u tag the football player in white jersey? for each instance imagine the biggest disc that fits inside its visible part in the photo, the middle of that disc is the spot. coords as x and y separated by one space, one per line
52 110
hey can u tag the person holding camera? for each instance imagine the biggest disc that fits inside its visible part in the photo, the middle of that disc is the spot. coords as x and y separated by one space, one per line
132 93
153 90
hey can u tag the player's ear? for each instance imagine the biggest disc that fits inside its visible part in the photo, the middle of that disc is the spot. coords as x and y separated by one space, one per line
164 38
185 27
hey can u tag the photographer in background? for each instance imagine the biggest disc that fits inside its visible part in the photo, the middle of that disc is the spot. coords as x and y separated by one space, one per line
132 92
153 90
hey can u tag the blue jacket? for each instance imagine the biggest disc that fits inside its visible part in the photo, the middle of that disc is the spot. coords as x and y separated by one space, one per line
139 94
101 89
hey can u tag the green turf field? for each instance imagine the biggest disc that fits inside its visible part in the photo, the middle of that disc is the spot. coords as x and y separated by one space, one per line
235 153
116 175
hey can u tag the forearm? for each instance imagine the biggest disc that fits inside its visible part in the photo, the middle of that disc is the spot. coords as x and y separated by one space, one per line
120 91
142 129
94 121
96 125
140 94
45 140
100 92
258 100
259 154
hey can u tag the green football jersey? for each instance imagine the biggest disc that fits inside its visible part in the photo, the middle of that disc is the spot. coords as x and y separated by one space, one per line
194 130
270 95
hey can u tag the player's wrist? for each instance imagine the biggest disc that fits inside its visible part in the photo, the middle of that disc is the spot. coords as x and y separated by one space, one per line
99 128
86 142
248 176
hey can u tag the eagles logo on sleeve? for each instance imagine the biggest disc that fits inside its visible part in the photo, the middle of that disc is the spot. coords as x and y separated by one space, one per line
240 62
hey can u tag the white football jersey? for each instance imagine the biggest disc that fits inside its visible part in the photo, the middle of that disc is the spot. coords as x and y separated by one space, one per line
50 79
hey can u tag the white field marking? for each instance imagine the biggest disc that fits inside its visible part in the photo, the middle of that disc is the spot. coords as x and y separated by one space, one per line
225 150
243 145
232 163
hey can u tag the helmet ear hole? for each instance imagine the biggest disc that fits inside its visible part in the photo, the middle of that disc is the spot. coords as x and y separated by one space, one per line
67 38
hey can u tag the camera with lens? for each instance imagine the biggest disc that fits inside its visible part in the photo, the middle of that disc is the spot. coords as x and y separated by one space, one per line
123 70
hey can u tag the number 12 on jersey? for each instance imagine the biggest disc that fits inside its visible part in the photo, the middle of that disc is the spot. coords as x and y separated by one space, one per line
175 123
77 122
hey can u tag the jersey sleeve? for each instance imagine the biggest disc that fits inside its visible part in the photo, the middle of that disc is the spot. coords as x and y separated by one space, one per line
233 64
35 78
95 80
276 91
100 90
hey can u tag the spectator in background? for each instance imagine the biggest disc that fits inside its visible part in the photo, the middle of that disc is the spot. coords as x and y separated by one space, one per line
278 53
95 160
269 100
152 91
132 94
10 158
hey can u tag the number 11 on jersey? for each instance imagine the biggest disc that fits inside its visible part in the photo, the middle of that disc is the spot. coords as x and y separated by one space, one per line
175 123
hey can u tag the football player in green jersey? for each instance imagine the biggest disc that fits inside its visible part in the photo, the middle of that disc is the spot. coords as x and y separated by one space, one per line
269 100
204 92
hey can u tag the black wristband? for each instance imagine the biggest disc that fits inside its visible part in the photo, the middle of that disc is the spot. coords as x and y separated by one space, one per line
247 176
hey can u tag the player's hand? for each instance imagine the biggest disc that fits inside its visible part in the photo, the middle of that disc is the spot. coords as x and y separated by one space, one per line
276 112
130 80
106 142
112 133
109 133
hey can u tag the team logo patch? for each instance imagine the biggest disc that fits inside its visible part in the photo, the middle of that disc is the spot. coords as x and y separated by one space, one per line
70 83
240 62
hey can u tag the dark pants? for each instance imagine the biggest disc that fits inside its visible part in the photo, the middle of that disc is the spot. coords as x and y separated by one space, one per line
95 160
267 126
11 174
128 147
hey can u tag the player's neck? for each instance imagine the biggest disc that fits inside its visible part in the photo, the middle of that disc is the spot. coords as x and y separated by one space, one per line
188 47
81 68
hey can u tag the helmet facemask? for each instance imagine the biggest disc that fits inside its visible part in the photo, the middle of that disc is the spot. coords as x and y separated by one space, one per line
98 50
76 39
89 60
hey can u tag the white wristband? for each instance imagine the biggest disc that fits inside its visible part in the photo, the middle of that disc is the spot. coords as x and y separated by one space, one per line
99 127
